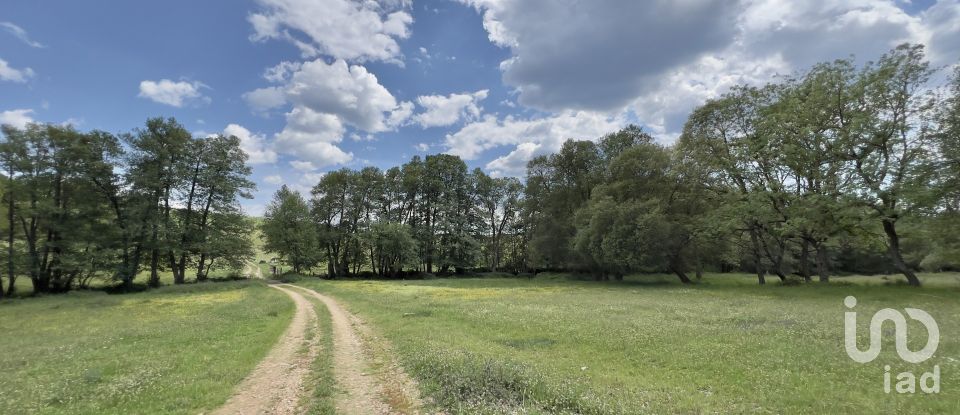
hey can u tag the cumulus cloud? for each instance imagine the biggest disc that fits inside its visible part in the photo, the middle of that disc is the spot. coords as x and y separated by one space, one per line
344 29
658 60
255 145
304 166
8 73
942 23
172 93
21 34
779 37
349 92
312 136
531 137
442 111
599 55
273 179
265 99
325 99
16 118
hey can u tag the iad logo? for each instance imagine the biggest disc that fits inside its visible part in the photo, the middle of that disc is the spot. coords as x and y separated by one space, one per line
906 381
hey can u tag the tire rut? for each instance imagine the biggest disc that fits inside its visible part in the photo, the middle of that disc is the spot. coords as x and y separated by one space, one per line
276 385
362 390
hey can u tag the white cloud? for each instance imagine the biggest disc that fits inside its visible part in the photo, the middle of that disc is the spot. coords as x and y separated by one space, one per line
942 23
16 118
255 145
358 137
273 179
265 99
304 166
343 29
281 71
311 179
662 58
325 99
441 111
8 73
172 93
599 55
422 147
531 137
400 115
349 92
779 37
21 34
312 136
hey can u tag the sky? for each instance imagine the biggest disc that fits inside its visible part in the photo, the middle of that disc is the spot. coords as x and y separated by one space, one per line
310 86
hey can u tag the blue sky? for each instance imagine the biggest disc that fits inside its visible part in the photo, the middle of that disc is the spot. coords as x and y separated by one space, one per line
315 85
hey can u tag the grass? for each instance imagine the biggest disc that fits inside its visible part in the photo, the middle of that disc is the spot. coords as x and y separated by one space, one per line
651 345
24 288
178 349
320 383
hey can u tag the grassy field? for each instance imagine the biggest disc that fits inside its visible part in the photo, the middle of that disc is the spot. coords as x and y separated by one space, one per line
651 345
170 350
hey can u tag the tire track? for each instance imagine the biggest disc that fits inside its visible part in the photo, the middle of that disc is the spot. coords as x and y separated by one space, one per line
360 390
276 385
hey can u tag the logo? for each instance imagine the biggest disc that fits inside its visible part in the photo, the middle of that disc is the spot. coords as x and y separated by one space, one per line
906 380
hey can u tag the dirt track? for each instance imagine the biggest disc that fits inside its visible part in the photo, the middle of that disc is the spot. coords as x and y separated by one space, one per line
277 383
368 379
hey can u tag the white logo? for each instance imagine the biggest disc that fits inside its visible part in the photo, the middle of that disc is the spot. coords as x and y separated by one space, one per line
900 326
907 382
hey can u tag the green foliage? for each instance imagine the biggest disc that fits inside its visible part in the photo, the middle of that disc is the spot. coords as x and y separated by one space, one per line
92 205
288 230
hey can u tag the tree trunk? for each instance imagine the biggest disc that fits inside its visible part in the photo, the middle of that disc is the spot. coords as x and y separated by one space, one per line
682 275
893 248
699 266
823 263
805 259
676 265
154 268
757 261
10 222
201 276
186 236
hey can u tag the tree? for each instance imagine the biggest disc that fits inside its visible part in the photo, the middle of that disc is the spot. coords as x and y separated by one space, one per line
886 139
222 180
157 153
557 186
288 230
500 202
392 248
721 138
642 217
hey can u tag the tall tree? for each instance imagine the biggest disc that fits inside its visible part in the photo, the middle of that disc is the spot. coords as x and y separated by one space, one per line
886 138
288 230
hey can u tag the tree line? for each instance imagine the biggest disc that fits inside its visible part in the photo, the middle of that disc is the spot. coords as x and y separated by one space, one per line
837 169
86 206
432 215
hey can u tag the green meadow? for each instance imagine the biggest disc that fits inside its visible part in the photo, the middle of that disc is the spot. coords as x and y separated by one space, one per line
651 345
176 349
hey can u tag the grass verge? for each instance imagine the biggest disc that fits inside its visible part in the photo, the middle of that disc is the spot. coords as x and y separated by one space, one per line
177 349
